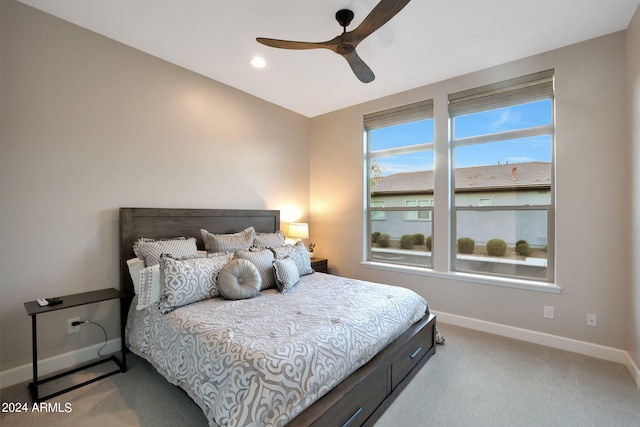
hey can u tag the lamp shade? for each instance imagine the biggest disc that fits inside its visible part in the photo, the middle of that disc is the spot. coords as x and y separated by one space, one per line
299 230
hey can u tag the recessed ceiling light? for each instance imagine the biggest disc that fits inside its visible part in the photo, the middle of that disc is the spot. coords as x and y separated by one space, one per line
258 62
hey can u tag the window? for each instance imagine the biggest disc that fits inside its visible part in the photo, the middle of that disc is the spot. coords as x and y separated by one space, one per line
500 167
376 213
418 215
502 144
399 157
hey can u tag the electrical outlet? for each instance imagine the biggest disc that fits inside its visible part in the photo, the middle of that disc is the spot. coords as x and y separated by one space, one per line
548 312
73 329
592 320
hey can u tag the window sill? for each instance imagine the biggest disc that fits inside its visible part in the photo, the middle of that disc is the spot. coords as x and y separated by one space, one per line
530 285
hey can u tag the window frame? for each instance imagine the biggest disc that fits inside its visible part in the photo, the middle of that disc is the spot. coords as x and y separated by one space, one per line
443 252
422 110
518 91
380 209
420 203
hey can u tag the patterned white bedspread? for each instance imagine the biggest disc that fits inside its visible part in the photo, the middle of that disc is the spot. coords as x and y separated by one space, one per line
262 361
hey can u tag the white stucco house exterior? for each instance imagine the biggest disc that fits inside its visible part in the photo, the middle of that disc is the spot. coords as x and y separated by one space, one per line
500 185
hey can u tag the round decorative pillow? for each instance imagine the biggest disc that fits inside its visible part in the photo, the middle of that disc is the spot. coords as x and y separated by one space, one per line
239 279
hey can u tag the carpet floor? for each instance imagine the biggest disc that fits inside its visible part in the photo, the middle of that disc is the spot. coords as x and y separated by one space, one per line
475 379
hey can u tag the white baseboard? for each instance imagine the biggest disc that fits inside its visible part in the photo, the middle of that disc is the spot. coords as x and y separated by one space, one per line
633 370
57 363
581 347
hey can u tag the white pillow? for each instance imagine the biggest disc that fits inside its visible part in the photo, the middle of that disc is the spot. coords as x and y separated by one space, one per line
269 240
228 242
135 266
189 280
299 254
263 260
239 279
151 249
287 275
149 292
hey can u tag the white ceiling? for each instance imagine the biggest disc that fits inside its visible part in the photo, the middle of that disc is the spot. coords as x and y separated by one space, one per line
426 42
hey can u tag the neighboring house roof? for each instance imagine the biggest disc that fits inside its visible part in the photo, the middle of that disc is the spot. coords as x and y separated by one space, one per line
504 177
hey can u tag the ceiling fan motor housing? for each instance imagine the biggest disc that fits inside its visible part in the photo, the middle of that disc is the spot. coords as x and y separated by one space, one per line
344 17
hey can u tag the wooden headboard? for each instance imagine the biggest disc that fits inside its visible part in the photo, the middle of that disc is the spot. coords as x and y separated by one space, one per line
158 223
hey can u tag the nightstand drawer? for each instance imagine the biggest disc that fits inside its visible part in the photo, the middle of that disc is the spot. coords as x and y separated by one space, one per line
320 265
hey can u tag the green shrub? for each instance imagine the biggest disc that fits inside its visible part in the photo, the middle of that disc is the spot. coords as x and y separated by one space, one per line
466 245
384 240
428 242
374 236
406 241
418 239
496 247
523 248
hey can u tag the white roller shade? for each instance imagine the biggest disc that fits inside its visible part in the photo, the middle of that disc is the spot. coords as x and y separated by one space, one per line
399 115
533 87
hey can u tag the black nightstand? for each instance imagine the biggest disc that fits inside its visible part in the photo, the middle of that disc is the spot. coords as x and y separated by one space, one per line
320 265
68 301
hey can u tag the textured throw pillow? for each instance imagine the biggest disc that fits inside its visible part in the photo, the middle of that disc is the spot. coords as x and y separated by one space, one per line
228 242
150 249
263 260
135 266
239 279
185 281
150 291
287 275
269 240
299 254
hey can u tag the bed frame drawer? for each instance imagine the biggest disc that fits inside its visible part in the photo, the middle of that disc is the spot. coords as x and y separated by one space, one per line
357 405
364 396
410 354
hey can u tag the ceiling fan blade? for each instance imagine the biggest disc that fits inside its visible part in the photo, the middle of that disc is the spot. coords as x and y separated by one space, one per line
289 44
360 69
380 15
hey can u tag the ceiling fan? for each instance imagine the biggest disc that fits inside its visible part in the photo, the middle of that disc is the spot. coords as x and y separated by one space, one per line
345 44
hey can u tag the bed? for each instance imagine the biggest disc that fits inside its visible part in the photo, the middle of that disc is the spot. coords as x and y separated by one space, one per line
315 361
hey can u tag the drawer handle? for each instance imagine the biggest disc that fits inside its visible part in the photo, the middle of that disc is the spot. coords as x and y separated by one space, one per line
353 417
415 353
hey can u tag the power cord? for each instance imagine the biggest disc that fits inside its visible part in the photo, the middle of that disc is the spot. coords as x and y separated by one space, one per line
76 323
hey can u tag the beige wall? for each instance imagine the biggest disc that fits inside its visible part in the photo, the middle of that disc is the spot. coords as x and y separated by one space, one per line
593 197
89 125
633 61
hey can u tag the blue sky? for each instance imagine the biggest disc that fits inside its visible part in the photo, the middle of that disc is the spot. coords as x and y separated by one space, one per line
488 122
